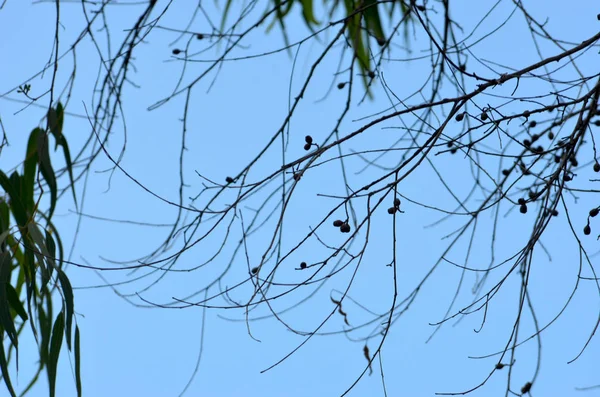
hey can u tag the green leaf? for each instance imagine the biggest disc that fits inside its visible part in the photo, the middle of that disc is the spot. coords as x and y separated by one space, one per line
47 170
77 362
55 122
55 345
4 368
373 20
30 166
68 294
6 319
308 13
16 204
15 302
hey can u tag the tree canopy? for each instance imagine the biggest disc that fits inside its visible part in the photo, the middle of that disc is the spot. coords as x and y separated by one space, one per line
358 171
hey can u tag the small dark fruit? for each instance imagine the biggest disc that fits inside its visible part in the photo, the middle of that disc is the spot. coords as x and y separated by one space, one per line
523 209
308 139
550 135
554 212
532 124
484 116
526 388
594 212
307 146
391 210
229 179
176 51
254 270
302 265
459 117
521 201
345 228
341 85
199 36
505 172
499 366
396 202
526 142
371 74
338 223
587 230
596 167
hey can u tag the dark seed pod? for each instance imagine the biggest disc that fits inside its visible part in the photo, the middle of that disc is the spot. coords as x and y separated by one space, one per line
381 41
554 212
526 388
453 150
587 230
199 36
229 179
176 51
550 135
526 143
539 149
338 223
521 201
499 366
450 144
596 167
396 202
557 159
462 67
459 117
254 270
594 212
341 85
308 139
523 209
345 228
391 210
568 178
421 8
574 161
371 74
526 114
484 116
307 146
532 124
302 265
505 172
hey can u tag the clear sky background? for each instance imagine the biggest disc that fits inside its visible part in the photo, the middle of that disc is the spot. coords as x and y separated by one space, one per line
129 350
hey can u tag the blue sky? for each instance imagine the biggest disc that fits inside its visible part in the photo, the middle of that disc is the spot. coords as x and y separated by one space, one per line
130 350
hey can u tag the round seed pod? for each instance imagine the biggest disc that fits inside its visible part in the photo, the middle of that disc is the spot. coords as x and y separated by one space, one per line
521 201
338 223
596 167
396 202
459 117
176 51
391 210
302 265
594 212
505 172
199 36
345 228
523 209
307 146
254 270
341 85
550 135
587 230
308 139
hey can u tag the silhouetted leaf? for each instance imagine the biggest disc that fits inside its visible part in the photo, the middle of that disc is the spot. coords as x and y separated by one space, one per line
77 362
47 170
68 294
4 368
6 319
15 302
54 352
